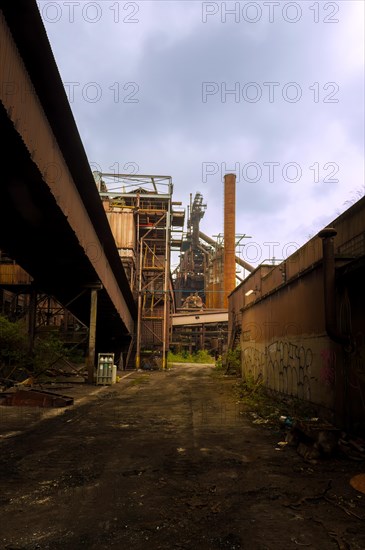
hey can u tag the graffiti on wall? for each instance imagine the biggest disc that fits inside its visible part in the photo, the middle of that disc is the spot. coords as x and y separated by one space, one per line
286 367
309 372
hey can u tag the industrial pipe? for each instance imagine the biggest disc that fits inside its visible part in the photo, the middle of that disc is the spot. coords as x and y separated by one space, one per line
239 261
327 235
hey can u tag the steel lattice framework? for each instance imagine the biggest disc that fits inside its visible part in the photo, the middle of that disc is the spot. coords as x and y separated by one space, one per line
149 197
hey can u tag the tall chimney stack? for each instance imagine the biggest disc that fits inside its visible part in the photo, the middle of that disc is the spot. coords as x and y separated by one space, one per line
229 235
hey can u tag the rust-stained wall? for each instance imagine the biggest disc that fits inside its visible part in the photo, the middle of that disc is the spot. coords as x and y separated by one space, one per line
284 337
284 340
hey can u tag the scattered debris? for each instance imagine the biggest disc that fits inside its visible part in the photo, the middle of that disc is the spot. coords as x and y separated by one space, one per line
313 498
352 448
313 439
286 421
260 421
281 445
331 499
27 382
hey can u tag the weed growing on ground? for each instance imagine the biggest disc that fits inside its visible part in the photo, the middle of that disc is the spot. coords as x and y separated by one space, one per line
270 406
201 356
252 394
142 379
232 359
264 405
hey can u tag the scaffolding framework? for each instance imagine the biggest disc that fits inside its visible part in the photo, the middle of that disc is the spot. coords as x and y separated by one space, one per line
158 228
201 267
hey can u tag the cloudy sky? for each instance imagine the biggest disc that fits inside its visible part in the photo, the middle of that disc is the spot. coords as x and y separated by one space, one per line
273 91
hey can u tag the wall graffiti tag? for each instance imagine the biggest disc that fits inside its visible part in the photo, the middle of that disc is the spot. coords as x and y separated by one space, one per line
286 367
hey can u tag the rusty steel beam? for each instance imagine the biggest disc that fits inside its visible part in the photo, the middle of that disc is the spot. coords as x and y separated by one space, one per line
57 169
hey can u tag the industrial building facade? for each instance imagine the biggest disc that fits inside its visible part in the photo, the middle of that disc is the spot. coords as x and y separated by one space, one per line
302 322
146 226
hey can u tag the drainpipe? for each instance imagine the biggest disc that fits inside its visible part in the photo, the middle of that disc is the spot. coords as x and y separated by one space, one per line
327 235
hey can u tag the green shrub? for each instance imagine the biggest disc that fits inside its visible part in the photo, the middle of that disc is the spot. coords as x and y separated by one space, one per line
219 363
14 350
47 351
13 342
232 359
203 356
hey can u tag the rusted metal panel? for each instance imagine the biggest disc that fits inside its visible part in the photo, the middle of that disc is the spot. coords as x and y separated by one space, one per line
123 227
274 278
304 257
35 398
13 274
350 223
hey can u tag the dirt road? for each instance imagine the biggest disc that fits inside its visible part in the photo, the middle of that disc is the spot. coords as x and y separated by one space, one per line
170 460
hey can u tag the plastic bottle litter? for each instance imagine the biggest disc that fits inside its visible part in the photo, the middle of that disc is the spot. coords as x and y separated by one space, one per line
286 421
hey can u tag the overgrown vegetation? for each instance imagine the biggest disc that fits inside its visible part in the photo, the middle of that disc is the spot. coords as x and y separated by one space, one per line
251 392
267 407
219 364
228 362
264 406
13 342
17 361
201 356
232 359
47 351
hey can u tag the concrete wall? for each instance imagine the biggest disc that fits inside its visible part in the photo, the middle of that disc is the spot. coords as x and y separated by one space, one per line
284 337
284 340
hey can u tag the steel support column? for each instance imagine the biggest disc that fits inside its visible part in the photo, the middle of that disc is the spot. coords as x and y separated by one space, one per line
32 318
166 305
92 336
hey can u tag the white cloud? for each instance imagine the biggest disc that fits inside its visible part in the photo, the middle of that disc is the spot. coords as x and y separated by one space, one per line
348 45
170 52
